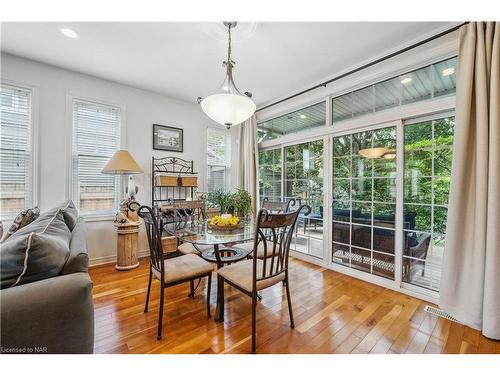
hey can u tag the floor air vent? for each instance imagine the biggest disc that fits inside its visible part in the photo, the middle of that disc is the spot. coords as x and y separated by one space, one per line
439 312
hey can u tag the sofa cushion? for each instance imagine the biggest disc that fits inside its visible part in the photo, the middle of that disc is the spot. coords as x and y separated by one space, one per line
70 214
23 219
67 209
36 254
78 260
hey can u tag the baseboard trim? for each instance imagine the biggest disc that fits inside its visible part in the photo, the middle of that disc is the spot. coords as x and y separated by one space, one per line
99 261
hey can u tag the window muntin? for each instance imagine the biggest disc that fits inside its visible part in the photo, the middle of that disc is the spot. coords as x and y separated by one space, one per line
270 175
96 137
435 80
302 119
16 151
218 159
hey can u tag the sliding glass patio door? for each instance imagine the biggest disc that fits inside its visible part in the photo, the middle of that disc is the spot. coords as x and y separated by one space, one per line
390 191
303 181
364 201
386 216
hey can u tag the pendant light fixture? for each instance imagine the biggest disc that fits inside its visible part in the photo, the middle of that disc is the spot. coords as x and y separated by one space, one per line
227 106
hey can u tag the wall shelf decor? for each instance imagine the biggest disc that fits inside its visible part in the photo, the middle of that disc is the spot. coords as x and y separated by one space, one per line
173 179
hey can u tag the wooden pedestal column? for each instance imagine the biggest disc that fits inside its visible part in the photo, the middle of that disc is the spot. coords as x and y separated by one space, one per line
126 245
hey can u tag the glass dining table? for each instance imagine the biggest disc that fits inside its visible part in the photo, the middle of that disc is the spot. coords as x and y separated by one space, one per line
224 248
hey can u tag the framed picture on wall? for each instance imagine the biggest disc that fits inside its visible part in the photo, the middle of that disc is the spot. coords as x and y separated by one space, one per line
167 138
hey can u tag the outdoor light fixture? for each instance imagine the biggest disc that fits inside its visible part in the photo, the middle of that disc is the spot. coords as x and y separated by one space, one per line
390 155
372 153
448 72
406 80
227 106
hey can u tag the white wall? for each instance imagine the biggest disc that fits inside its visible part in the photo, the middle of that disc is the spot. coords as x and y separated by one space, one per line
141 109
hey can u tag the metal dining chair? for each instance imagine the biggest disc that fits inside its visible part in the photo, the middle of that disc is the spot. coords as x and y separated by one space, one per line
185 212
253 275
272 207
170 271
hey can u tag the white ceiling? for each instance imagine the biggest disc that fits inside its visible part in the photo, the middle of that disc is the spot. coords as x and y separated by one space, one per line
183 60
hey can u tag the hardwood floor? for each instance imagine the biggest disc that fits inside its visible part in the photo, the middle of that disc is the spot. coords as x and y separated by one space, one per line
334 313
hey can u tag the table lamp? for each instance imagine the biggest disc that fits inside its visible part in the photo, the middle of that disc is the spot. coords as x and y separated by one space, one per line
127 226
123 163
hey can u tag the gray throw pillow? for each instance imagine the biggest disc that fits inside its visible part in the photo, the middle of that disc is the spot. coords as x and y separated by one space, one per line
67 209
22 219
36 254
70 214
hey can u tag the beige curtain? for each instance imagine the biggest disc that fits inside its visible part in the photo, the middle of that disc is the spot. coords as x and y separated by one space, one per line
470 285
249 160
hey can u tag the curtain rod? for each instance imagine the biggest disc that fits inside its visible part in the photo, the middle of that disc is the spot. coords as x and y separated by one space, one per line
439 35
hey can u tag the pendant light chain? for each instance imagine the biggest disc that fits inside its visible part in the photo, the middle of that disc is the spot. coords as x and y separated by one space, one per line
228 106
229 44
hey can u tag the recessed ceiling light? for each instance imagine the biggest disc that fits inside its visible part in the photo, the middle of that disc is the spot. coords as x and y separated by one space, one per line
448 71
303 116
69 33
406 80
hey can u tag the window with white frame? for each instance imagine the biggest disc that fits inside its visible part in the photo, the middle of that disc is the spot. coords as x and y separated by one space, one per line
429 82
16 151
96 137
218 159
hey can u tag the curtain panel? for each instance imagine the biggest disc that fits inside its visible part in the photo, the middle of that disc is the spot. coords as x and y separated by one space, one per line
249 160
470 284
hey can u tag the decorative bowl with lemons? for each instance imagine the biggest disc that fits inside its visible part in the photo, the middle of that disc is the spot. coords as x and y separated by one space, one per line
225 222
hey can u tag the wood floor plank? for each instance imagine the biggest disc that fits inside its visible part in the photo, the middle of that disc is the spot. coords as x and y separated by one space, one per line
334 313
367 344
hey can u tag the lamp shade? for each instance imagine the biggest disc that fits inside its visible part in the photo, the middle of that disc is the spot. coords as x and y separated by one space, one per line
228 109
122 163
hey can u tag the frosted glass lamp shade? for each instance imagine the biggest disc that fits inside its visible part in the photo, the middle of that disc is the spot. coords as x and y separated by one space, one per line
228 109
122 163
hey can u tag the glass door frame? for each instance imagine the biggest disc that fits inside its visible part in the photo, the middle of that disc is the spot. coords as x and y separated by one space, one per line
397 284
372 278
443 107
326 227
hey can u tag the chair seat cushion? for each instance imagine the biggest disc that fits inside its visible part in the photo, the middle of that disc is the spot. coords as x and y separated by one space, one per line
241 274
188 248
248 246
183 267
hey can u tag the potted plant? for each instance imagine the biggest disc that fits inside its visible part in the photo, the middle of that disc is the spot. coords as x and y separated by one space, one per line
238 203
242 203
221 200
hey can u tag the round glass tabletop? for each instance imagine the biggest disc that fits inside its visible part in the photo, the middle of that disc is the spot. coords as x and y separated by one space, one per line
198 232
